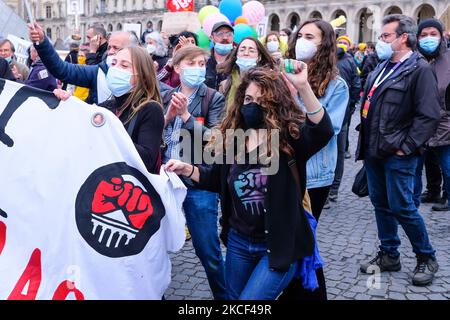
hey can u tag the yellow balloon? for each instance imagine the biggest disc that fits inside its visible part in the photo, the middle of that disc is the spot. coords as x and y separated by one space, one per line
206 11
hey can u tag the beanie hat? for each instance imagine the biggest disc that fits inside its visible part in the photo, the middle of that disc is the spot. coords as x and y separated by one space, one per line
431 23
346 38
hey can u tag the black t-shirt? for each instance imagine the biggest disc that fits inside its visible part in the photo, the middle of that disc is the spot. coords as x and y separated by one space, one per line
248 189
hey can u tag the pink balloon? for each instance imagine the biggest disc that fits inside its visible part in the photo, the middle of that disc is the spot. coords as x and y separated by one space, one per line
254 11
211 20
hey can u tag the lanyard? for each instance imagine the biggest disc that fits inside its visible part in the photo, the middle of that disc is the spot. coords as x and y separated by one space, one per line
379 80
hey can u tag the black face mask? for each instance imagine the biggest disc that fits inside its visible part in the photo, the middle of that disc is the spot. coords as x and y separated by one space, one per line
253 116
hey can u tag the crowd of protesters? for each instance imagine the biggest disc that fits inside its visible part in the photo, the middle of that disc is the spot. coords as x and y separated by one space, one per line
305 84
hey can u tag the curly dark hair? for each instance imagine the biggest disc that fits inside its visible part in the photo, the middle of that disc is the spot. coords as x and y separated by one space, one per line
265 59
280 109
322 68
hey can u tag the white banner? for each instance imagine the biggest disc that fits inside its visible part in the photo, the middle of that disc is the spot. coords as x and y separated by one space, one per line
136 27
21 47
80 217
75 7
261 27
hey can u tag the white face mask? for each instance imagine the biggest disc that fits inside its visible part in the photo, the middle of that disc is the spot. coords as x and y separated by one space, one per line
305 50
109 60
151 49
273 46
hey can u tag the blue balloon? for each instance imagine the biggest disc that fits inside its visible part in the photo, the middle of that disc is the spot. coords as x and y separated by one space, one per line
231 9
242 31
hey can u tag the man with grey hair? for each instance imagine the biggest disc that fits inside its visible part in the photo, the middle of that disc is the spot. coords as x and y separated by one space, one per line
92 77
400 112
7 51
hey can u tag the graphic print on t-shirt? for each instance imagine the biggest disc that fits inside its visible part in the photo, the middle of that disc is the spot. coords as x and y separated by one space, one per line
250 187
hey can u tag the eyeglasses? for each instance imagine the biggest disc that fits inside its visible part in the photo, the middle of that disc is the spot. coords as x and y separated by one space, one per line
250 50
384 36
223 34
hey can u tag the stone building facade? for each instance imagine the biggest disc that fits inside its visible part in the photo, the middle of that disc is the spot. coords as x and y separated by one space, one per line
363 16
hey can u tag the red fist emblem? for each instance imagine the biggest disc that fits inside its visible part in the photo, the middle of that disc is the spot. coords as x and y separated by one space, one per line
117 194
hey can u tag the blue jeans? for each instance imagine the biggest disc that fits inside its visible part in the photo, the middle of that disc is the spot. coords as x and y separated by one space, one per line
201 210
391 190
247 272
444 162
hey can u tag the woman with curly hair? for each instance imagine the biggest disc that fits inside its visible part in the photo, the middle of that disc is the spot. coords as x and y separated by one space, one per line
268 234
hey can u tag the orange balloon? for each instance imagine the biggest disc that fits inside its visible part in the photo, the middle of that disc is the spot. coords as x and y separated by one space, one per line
241 19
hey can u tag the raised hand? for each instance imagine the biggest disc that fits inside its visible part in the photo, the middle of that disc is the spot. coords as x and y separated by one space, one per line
36 33
296 72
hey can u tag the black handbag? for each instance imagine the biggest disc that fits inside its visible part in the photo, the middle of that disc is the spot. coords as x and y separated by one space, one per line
360 187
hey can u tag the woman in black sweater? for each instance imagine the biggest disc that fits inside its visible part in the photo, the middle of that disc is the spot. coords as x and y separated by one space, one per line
264 225
136 101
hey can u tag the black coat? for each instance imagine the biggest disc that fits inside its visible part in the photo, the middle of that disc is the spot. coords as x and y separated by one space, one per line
5 70
147 133
289 235
213 79
406 111
96 58
349 72
369 64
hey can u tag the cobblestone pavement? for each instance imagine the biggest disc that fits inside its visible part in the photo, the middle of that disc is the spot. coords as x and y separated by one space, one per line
347 236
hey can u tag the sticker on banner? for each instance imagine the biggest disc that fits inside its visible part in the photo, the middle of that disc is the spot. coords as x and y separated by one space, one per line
98 119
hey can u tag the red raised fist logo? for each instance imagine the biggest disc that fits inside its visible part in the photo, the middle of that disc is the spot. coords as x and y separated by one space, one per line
117 194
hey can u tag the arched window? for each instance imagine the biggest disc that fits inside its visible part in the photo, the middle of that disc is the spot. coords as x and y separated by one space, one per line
293 20
341 29
365 31
424 12
315 15
393 10
274 23
119 26
110 27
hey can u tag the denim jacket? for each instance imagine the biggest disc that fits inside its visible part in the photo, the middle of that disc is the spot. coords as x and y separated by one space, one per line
320 167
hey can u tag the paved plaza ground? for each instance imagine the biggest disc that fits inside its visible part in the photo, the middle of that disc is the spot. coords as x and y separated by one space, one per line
347 236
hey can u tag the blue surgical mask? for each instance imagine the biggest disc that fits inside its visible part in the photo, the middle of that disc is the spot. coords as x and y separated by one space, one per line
9 59
118 81
193 77
429 44
246 63
384 50
223 49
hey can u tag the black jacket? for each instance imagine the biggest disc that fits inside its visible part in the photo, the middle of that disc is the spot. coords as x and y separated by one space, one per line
213 79
5 70
147 133
441 67
349 72
369 64
406 111
289 236
96 58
